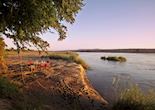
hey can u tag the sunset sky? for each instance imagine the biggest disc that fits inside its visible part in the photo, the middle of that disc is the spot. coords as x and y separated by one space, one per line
107 24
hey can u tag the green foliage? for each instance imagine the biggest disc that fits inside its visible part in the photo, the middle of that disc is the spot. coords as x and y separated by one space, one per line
69 56
135 99
24 20
7 89
114 58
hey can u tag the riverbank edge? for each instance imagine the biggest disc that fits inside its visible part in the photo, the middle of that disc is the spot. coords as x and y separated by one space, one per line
87 83
92 93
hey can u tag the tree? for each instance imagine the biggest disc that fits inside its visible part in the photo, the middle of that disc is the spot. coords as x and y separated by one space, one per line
3 67
24 20
2 45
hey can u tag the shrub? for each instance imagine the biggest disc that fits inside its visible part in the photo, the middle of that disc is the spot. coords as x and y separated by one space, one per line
135 99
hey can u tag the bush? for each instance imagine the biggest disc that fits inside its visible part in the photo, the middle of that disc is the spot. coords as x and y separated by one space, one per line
69 56
135 99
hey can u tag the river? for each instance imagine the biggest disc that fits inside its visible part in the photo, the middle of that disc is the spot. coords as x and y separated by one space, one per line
108 77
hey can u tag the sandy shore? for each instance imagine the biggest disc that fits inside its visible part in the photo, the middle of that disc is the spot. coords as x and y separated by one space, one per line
63 86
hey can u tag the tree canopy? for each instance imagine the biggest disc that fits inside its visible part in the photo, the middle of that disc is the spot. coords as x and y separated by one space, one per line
24 20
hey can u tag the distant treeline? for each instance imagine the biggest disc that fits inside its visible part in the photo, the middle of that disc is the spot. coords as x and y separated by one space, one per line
118 50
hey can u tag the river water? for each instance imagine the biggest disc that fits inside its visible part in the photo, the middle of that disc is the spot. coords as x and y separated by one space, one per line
108 77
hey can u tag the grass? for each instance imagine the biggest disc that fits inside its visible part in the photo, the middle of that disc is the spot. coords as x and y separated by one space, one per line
114 58
69 56
19 100
135 99
7 89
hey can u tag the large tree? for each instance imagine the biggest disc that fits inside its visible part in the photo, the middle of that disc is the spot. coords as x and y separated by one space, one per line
24 20
2 45
3 67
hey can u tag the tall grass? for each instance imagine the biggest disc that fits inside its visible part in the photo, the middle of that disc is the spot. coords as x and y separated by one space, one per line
69 56
135 99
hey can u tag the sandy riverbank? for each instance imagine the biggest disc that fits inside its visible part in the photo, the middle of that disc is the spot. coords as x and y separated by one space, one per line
64 86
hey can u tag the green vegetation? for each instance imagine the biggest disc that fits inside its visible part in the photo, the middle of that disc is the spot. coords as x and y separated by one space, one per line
19 100
135 99
24 20
115 58
7 89
69 56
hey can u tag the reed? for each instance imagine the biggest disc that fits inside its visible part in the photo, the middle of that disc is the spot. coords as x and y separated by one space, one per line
135 99
69 56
